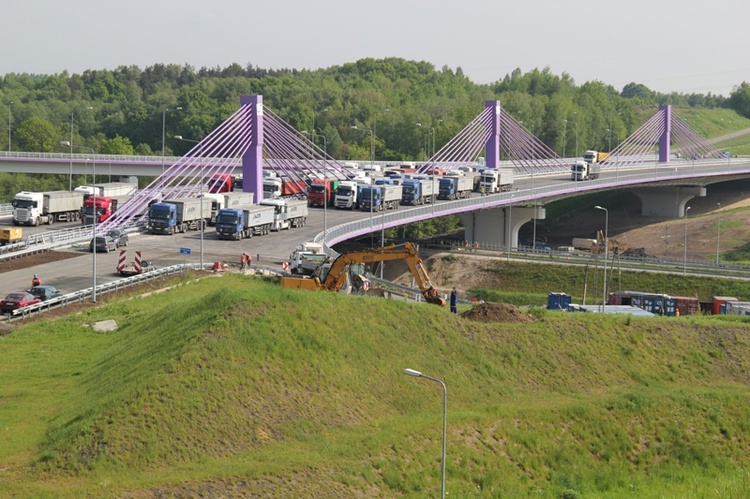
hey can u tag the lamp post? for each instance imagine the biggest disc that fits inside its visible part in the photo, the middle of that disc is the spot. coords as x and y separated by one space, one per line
417 374
372 184
95 214
325 177
684 256
432 167
70 175
200 148
163 130
9 123
606 247
718 236
565 127
576 139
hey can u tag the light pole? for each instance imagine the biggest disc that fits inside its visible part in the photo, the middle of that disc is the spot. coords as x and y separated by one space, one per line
433 166
372 183
70 175
326 180
606 247
417 374
565 127
96 215
684 257
163 130
576 139
9 123
718 236
200 148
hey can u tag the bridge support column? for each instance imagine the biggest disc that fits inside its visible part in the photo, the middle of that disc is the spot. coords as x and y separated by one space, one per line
666 134
252 160
667 201
492 146
499 226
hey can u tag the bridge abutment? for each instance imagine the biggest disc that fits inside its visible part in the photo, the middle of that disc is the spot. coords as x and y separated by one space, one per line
667 201
499 226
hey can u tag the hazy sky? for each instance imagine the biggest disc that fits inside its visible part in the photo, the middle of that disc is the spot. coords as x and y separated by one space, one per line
685 46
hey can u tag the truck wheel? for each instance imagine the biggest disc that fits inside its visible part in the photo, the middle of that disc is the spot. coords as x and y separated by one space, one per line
36 222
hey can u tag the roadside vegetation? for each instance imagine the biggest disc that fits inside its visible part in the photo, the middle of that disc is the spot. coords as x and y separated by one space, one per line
233 386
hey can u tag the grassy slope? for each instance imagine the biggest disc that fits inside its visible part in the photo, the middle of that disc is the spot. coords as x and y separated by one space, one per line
231 386
710 123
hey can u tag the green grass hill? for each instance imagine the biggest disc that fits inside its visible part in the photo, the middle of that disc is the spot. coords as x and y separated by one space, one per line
234 387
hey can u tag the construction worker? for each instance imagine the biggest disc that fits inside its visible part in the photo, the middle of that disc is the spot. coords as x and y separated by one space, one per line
243 260
249 259
35 281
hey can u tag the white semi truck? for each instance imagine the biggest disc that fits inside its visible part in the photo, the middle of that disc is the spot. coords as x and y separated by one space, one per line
36 208
496 180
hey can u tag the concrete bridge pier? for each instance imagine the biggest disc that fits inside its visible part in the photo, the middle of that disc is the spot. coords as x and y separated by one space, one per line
498 226
667 201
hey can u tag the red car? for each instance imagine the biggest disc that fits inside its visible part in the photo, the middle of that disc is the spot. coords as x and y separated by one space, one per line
19 299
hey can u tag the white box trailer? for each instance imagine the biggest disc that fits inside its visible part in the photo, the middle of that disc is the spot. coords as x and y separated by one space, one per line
35 208
288 212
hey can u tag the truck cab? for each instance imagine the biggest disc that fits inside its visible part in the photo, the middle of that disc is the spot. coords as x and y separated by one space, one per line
162 218
346 195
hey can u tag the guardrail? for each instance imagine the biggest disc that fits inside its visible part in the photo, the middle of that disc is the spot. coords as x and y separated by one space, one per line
101 289
6 209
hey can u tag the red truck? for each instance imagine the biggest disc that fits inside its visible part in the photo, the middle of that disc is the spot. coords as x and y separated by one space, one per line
224 182
105 208
321 192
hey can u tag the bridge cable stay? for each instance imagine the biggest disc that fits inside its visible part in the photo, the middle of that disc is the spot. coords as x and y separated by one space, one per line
284 139
184 178
689 144
286 150
464 148
527 152
644 143
639 146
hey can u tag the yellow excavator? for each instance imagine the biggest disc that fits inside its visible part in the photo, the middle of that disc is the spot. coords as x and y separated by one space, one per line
333 277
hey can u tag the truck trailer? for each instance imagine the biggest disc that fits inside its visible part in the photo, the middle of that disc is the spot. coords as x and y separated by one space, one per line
416 191
242 222
496 180
178 215
288 213
35 208
222 200
455 187
108 189
380 197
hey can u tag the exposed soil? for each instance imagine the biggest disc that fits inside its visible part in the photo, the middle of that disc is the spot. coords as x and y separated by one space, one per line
496 312
35 259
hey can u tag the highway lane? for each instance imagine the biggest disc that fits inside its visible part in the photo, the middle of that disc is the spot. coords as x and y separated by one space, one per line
76 273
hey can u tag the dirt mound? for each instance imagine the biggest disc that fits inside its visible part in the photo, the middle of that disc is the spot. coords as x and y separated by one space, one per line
496 312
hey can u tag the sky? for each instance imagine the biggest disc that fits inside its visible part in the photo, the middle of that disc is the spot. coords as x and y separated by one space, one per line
686 46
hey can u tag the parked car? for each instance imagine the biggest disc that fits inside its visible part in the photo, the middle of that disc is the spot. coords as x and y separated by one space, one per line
120 237
16 300
45 293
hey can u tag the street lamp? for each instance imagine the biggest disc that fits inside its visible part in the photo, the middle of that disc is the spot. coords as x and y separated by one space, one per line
417 374
565 127
576 139
200 148
372 169
718 236
163 130
606 247
96 215
326 181
70 175
432 166
9 123
684 257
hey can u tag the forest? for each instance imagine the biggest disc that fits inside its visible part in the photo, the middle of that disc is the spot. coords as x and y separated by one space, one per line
129 110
